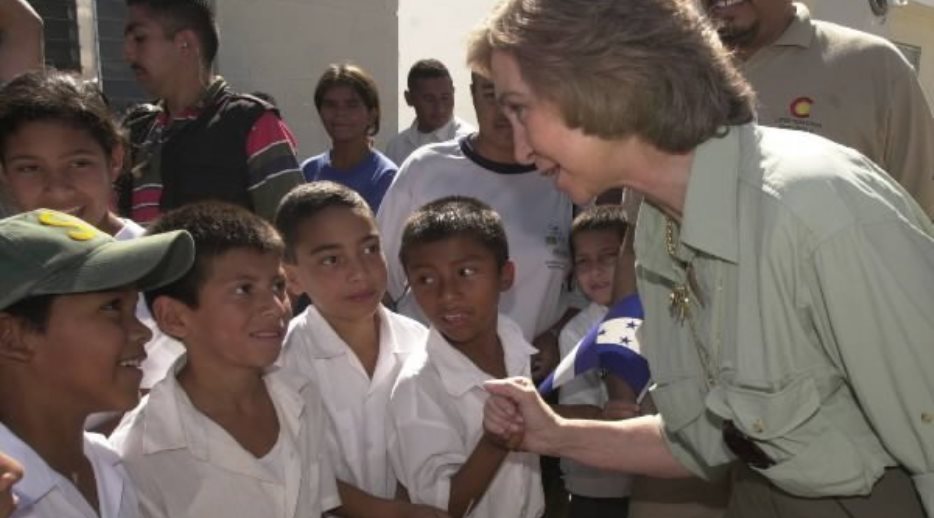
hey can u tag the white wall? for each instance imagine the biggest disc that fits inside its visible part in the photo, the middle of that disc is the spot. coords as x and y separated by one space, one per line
282 47
438 29
851 13
914 24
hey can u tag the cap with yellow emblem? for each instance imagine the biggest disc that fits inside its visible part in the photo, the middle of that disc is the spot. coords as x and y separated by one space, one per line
44 252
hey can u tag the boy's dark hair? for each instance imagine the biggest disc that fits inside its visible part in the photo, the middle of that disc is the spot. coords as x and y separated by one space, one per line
358 80
50 95
426 69
306 201
180 15
456 216
33 312
597 218
217 228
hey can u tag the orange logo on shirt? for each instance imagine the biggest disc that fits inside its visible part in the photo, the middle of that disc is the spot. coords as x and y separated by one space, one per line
801 107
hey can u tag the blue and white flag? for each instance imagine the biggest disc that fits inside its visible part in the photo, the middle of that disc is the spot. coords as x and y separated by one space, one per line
611 345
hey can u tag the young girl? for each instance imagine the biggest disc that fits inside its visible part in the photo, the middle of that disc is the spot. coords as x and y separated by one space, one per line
348 104
346 341
61 149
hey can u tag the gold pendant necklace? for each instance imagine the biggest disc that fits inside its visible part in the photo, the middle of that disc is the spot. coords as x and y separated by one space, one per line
679 300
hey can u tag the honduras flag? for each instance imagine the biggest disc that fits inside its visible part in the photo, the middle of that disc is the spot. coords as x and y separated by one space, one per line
611 345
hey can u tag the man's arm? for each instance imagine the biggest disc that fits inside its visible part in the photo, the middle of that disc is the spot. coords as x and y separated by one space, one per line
515 413
21 44
272 164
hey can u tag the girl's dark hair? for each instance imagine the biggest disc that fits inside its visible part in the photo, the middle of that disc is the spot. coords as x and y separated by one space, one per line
50 95
356 78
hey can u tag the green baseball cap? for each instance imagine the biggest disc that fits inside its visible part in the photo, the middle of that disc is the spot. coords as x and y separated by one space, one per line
44 252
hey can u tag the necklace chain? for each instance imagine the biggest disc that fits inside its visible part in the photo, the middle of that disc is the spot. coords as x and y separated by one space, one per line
680 299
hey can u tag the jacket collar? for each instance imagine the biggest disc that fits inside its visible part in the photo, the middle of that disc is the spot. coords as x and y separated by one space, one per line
459 374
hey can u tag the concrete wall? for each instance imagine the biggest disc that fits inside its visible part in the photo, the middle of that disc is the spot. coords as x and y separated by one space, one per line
282 47
914 24
438 29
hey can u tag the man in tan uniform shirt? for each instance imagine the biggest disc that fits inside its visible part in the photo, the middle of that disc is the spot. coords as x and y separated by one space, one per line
849 86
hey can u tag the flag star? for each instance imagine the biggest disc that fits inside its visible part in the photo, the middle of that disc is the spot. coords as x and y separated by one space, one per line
626 340
632 324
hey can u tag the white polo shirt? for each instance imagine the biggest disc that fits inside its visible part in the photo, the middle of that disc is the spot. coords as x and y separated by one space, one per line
536 216
436 421
356 404
410 139
186 465
44 493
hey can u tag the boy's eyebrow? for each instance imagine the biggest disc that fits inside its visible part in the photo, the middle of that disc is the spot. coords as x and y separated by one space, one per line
335 246
73 152
460 260
503 97
131 27
325 247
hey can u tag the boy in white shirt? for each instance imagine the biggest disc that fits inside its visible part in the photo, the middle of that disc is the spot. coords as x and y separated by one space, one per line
456 257
346 342
70 345
223 434
596 236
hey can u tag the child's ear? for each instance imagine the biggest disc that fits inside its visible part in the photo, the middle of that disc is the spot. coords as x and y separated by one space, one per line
15 345
116 161
507 275
408 98
291 279
186 40
172 317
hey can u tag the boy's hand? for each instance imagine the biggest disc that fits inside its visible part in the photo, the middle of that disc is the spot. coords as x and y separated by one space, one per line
548 355
515 412
10 473
615 410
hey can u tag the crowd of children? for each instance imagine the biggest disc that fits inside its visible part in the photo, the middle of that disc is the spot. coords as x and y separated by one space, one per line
349 409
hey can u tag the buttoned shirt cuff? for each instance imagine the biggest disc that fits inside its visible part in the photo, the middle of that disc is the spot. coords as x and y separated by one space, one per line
924 484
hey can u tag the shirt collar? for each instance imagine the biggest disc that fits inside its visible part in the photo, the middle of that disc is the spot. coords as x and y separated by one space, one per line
709 223
38 477
441 134
171 422
800 32
325 342
459 374
208 98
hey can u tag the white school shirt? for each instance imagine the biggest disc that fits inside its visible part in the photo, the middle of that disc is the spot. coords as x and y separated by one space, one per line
44 493
536 216
410 139
186 465
587 389
356 405
436 421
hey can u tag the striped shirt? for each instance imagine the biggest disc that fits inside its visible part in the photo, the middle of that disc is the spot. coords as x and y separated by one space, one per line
272 164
